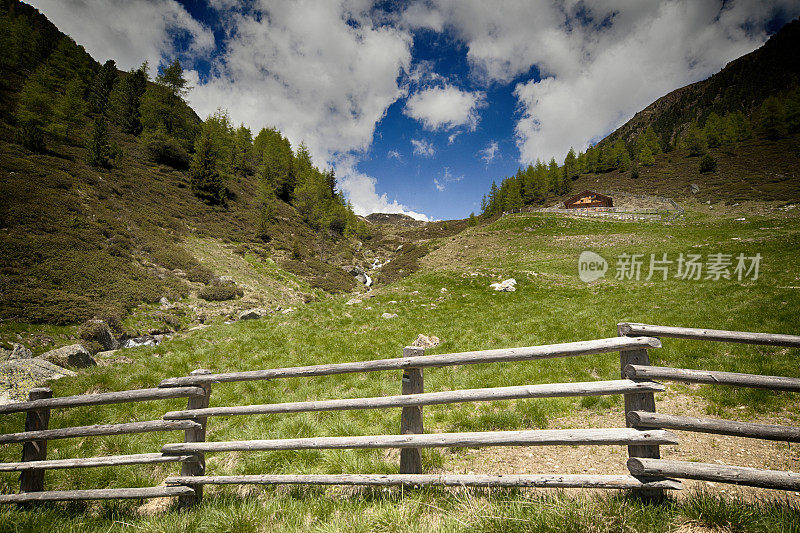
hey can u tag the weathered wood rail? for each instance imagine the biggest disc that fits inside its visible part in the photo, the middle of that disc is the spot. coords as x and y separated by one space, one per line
646 430
34 462
721 473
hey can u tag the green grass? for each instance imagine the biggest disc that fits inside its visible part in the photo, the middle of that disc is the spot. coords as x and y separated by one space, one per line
550 305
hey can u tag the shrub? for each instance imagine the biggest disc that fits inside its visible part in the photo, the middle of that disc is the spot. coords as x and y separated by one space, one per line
165 149
635 172
217 292
708 164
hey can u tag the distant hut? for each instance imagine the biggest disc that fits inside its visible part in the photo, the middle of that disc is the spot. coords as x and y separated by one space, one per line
588 199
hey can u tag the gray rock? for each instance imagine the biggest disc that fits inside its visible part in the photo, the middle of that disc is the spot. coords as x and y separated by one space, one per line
352 301
164 302
35 370
423 341
20 352
694 188
287 310
75 356
252 314
227 279
389 315
97 330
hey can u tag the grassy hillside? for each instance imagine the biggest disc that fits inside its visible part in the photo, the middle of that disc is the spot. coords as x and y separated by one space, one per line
550 305
757 170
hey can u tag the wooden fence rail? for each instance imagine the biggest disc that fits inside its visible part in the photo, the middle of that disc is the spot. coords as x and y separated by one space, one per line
37 433
640 465
645 430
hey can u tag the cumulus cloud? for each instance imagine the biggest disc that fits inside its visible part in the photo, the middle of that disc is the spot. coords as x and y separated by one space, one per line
441 182
445 107
394 154
489 153
599 63
361 190
128 31
423 148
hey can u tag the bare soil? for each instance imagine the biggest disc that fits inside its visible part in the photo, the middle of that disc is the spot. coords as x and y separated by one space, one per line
698 447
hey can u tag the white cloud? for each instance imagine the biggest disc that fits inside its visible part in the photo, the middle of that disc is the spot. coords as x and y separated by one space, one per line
423 148
394 154
601 62
452 137
361 190
489 153
128 31
447 178
445 107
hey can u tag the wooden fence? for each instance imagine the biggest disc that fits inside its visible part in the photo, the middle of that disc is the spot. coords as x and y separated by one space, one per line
644 429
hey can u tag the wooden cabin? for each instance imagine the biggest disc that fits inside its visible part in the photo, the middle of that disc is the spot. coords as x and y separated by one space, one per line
588 199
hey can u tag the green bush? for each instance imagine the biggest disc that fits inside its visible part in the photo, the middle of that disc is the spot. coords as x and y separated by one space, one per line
708 164
217 292
635 172
165 149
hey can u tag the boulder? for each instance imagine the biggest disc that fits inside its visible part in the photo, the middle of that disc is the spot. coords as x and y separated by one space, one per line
36 371
287 310
389 315
423 341
227 279
164 302
252 314
507 285
694 188
74 355
352 301
19 352
98 331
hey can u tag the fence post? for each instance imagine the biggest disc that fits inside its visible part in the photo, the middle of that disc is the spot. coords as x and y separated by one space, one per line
35 420
197 467
411 417
639 401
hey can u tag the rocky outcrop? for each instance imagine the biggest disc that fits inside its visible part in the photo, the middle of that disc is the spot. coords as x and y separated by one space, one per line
19 352
75 356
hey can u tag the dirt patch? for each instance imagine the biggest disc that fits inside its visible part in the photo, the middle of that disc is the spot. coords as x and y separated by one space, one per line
699 447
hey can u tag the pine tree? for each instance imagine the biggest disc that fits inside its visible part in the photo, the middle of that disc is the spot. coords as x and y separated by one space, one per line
99 149
126 98
570 166
714 130
207 181
172 78
242 151
34 109
69 109
773 121
695 140
102 85
646 157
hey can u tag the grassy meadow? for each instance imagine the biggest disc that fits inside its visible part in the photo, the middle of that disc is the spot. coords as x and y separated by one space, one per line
450 297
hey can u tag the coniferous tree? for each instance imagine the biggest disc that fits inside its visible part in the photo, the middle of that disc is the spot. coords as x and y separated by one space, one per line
101 87
695 140
69 110
34 109
242 151
570 166
208 182
773 121
714 130
99 149
646 157
125 100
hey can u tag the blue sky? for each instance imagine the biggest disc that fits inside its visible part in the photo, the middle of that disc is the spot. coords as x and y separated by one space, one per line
419 105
